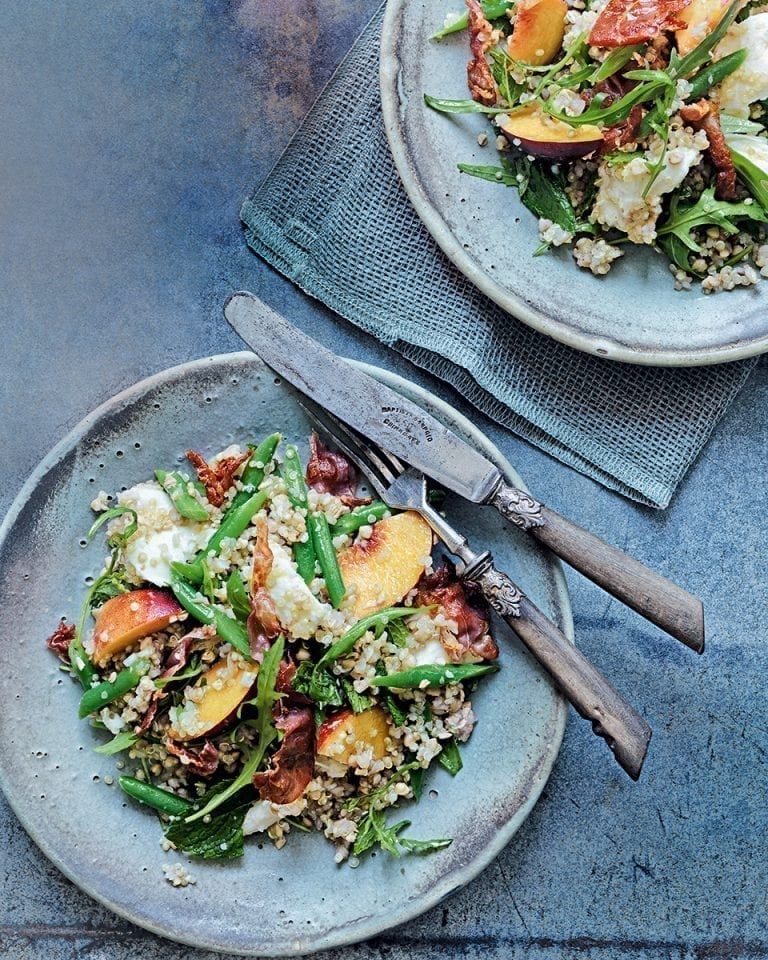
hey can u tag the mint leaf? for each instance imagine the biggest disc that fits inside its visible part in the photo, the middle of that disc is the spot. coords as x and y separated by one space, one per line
450 757
217 838
122 741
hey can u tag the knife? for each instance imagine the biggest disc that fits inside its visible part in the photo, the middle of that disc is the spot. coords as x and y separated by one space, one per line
415 436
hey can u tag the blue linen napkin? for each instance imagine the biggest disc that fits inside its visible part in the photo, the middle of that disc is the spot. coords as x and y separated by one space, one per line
333 217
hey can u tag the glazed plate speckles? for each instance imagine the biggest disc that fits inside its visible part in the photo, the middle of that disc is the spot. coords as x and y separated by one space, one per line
633 314
271 902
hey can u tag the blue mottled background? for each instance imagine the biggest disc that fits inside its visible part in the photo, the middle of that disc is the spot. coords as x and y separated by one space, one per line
130 132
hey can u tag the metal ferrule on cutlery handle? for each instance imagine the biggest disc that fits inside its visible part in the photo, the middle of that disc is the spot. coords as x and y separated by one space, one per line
654 597
613 719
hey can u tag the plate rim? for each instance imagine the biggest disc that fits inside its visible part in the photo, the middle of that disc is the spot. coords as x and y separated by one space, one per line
603 347
333 938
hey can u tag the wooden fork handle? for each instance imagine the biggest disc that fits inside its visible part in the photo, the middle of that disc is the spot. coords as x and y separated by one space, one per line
613 719
654 597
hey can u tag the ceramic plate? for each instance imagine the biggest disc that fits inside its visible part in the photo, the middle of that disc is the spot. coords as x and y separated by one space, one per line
272 902
633 314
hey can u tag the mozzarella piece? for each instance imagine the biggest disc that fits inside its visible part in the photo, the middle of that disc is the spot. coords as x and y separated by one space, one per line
263 814
297 608
750 81
163 535
430 652
753 148
620 202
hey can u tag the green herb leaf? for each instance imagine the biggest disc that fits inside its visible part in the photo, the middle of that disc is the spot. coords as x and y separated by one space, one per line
357 701
615 60
398 633
424 846
396 710
450 757
319 684
675 235
121 741
220 838
461 106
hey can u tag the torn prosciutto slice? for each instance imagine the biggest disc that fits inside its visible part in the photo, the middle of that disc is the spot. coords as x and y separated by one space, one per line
293 765
624 22
463 603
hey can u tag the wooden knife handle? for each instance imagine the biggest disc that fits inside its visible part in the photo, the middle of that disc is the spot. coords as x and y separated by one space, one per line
613 719
654 597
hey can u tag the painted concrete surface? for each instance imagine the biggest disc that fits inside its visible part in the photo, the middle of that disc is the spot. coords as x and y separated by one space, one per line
131 133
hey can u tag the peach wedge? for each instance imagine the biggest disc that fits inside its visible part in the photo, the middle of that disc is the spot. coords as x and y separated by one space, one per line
539 31
225 685
544 136
700 17
379 571
339 735
131 616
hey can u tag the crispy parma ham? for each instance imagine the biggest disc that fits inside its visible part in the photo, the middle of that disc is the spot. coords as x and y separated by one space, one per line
463 603
202 761
293 765
624 22
60 639
216 479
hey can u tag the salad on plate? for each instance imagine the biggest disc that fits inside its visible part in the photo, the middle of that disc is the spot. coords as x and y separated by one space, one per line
628 122
269 652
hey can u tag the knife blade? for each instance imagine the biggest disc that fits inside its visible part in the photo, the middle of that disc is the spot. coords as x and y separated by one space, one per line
377 411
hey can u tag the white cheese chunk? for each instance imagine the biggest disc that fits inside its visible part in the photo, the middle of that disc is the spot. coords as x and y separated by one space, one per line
426 653
263 814
297 608
163 535
620 202
750 81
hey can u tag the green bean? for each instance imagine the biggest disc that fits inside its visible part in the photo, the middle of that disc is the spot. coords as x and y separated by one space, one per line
228 629
303 550
108 690
320 534
450 758
235 521
253 474
372 622
351 522
493 9
176 485
714 73
433 675
238 596
154 797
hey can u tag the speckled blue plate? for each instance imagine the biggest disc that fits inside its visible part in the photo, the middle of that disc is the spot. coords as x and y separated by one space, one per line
633 314
272 902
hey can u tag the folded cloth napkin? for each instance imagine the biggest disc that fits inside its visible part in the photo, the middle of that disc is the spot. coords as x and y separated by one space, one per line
333 217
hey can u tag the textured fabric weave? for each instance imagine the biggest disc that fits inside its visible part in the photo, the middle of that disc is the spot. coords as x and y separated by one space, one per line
333 217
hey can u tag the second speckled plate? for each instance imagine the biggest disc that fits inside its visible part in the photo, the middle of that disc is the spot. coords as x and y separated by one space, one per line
634 314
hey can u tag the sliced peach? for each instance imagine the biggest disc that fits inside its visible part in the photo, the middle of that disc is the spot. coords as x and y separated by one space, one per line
131 616
701 17
344 734
544 136
380 571
539 31
224 687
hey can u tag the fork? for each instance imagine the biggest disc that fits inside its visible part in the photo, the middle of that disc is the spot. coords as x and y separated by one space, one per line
595 699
